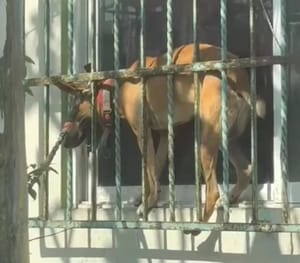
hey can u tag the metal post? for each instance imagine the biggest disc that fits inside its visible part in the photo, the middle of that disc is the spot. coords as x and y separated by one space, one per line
143 129
253 113
69 197
284 112
197 128
45 179
93 109
117 111
280 47
224 111
170 110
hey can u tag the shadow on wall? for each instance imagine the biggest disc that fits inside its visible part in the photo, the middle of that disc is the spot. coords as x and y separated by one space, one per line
152 246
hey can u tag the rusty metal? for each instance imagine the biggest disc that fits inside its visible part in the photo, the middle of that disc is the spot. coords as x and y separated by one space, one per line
181 226
167 69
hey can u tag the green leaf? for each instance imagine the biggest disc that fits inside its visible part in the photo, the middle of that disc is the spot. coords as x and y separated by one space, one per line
29 60
32 193
53 170
28 91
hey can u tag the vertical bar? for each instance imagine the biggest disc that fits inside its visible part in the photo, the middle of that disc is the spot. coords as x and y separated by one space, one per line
224 110
45 183
143 131
64 96
253 113
101 21
280 107
170 110
93 109
87 29
69 197
196 57
117 111
284 111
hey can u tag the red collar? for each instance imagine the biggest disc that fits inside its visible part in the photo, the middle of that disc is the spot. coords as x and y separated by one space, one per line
104 103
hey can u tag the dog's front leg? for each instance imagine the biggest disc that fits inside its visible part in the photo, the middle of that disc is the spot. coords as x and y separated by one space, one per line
151 171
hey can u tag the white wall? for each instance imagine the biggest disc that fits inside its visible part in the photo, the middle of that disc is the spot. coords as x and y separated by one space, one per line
35 105
121 246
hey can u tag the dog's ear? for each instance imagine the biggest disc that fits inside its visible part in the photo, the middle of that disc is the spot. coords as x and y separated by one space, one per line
109 82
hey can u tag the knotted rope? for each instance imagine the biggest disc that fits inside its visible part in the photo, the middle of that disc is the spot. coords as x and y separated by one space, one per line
35 174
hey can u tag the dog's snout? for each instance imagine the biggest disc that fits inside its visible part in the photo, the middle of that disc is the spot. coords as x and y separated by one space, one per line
68 126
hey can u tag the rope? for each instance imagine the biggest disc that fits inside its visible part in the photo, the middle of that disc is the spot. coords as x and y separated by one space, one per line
117 111
170 111
224 110
34 175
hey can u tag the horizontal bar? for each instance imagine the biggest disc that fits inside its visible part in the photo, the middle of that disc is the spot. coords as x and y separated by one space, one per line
166 69
240 227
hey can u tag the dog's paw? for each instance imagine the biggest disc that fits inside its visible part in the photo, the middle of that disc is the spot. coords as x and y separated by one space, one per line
140 210
137 200
220 203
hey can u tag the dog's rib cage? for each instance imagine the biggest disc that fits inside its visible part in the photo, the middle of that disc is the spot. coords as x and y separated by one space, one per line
279 62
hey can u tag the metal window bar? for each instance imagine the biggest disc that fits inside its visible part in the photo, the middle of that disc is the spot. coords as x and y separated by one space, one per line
196 57
117 111
224 125
64 96
181 226
171 69
44 190
101 19
94 118
143 129
284 112
170 97
166 69
69 196
253 113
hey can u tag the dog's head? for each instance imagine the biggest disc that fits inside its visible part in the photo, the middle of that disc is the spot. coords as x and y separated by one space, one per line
79 122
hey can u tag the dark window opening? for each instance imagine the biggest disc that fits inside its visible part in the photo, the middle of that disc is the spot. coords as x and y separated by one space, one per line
209 32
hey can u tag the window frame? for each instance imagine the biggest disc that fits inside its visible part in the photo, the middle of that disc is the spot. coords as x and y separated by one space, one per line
272 192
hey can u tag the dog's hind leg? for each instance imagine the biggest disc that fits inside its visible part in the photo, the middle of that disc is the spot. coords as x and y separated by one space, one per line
209 156
243 170
161 155
160 160
210 139
151 179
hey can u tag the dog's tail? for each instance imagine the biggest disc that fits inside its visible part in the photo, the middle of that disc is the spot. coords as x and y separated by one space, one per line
260 104
239 82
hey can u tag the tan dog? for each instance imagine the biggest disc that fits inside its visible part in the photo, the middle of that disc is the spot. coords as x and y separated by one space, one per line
210 110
